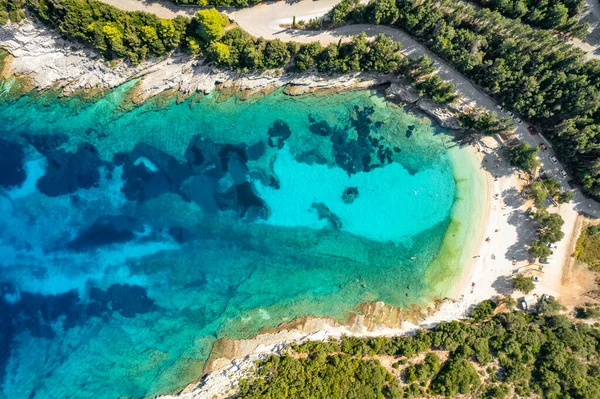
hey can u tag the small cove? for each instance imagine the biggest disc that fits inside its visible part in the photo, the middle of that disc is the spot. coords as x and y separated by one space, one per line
132 240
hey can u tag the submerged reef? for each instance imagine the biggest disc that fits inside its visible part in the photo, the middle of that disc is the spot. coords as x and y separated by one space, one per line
132 240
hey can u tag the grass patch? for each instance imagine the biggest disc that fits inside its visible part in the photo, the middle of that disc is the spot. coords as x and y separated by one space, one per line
588 247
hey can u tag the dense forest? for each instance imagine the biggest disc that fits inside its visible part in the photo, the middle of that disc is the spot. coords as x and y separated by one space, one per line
538 75
559 15
543 355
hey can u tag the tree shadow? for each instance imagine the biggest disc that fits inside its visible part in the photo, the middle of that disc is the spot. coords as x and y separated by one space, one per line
526 233
503 285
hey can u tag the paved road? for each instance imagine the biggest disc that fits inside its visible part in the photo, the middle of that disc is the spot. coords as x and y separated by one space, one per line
267 16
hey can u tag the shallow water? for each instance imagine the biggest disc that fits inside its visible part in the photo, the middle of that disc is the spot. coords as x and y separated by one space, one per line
132 239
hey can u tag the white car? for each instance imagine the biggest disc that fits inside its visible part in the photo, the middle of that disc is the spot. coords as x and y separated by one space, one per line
499 107
509 113
518 120
563 173
553 159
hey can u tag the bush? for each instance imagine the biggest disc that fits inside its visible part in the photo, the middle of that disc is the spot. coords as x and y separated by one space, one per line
458 376
484 310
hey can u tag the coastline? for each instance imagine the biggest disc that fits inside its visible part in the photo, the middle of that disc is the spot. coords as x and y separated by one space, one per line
476 230
187 76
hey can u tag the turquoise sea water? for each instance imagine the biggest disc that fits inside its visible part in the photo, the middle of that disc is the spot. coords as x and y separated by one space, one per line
132 239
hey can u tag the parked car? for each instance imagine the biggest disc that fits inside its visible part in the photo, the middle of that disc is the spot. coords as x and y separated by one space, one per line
499 107
553 159
532 130
509 113
543 147
518 120
563 173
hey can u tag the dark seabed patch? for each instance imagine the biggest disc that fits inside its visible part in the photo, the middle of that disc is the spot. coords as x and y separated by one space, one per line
11 165
136 239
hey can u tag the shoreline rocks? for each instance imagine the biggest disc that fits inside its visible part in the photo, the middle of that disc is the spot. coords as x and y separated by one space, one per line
42 59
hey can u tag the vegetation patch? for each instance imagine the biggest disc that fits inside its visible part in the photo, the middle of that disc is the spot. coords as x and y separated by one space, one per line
588 247
509 355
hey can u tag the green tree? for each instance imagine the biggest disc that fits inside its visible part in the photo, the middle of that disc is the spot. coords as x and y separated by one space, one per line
550 229
458 376
382 11
523 284
509 301
537 192
306 57
549 307
538 249
524 157
210 24
219 52
383 55
484 310
276 54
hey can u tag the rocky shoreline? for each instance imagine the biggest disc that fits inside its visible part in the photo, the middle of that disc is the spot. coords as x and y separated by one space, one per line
232 360
42 60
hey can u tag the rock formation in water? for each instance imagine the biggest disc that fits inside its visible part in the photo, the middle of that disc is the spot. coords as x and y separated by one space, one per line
324 213
349 195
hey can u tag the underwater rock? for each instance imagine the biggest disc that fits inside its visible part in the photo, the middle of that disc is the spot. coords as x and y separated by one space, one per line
247 198
279 132
104 231
175 171
142 184
12 172
228 151
67 171
256 151
127 300
349 195
364 153
200 153
46 143
321 128
312 157
180 234
201 190
360 118
323 212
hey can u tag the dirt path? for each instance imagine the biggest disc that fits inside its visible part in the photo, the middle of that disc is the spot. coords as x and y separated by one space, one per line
160 8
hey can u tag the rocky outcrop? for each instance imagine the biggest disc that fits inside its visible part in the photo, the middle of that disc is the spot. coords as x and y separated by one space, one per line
403 93
443 114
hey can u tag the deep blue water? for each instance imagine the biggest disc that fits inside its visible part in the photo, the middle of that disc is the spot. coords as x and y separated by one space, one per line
130 240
